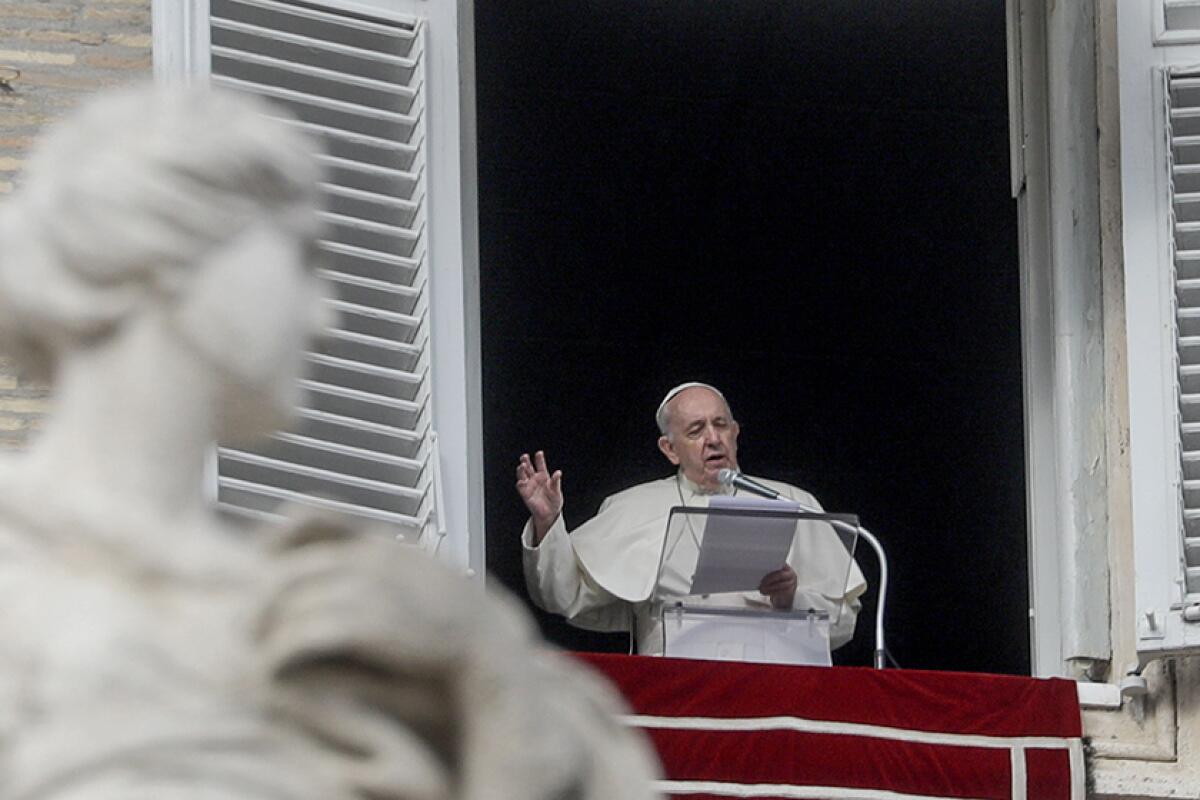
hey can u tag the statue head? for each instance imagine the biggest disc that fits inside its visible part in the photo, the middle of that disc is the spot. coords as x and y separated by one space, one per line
184 202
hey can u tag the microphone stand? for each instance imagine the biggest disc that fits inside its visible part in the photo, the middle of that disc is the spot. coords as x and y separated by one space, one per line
880 647
742 482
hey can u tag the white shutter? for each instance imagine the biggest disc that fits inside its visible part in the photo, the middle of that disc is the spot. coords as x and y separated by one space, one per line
1160 200
1183 126
355 82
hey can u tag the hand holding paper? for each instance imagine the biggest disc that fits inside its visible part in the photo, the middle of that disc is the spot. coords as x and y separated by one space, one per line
742 553
780 586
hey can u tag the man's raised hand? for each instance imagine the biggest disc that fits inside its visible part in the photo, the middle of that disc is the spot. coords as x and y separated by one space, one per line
541 492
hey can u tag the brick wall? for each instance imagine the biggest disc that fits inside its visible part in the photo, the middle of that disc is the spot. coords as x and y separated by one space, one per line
64 49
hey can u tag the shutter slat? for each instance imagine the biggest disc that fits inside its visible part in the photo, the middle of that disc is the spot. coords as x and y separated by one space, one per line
269 35
370 283
316 129
347 450
411 263
310 71
366 426
412 378
407 234
279 495
308 12
357 394
372 197
380 313
325 475
374 341
343 460
316 101
369 169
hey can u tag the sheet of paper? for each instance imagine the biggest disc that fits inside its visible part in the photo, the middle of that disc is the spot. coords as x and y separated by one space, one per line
736 551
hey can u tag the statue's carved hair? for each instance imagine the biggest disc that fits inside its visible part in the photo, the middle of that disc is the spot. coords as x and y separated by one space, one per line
124 197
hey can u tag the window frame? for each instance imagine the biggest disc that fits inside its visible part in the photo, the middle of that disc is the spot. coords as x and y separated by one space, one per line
1055 181
180 51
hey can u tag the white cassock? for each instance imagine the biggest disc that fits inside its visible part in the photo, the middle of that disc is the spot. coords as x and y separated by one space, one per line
603 575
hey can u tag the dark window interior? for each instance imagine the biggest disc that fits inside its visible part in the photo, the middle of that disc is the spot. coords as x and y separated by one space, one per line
804 202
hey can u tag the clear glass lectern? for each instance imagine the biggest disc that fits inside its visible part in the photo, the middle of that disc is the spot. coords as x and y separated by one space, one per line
713 560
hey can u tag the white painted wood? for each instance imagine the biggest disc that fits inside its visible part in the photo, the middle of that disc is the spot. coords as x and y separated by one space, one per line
1145 60
1048 405
454 275
429 181
1078 332
1183 125
456 360
180 46
1027 68
1058 210
329 69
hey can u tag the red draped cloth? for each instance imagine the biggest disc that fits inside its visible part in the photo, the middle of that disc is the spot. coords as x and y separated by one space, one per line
726 729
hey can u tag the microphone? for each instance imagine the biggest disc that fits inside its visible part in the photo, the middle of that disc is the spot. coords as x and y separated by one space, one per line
731 477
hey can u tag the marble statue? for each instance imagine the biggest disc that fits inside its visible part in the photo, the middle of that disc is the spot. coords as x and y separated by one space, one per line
156 266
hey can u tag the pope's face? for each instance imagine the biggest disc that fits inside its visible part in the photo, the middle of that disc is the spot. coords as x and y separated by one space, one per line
702 436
